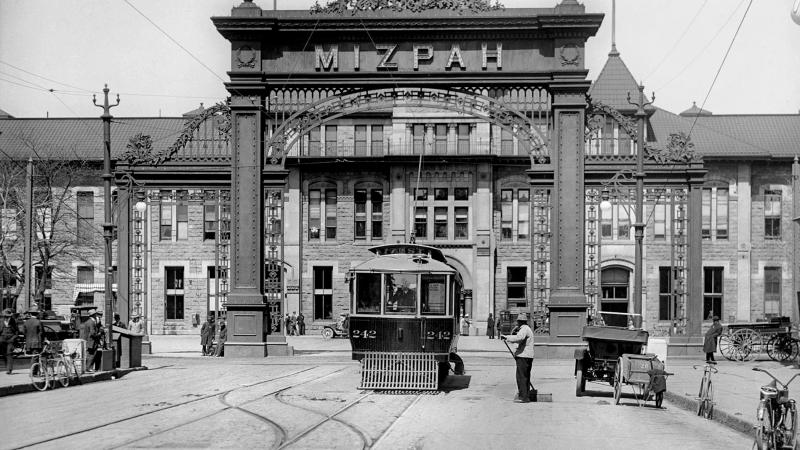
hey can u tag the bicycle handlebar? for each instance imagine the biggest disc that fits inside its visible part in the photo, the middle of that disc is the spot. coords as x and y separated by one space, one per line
785 385
707 366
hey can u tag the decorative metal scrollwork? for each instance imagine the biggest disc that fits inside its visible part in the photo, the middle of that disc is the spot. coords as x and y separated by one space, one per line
354 6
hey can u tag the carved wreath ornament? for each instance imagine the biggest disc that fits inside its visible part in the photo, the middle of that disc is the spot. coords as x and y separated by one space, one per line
353 6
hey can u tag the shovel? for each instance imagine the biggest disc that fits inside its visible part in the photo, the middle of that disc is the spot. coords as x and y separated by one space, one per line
534 394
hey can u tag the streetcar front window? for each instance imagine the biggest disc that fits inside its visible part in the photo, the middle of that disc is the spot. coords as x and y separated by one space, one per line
434 295
401 293
368 293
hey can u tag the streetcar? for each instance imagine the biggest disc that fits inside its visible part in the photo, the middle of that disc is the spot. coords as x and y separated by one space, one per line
404 317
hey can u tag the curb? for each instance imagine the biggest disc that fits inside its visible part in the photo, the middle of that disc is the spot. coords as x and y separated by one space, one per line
733 422
86 378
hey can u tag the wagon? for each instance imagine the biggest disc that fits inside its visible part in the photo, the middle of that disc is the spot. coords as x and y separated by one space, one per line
598 362
645 374
745 341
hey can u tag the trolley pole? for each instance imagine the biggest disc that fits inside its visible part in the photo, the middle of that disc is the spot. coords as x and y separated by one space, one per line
638 227
108 226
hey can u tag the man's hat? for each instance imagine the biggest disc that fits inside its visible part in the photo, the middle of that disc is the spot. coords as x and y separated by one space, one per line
33 309
98 312
8 312
715 318
522 317
134 316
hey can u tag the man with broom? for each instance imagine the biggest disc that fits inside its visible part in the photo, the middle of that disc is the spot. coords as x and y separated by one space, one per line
522 335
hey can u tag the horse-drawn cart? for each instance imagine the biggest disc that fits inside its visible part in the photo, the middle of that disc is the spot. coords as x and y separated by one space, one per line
745 341
614 356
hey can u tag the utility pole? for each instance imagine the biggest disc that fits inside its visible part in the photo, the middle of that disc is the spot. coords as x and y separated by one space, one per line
27 267
638 227
108 226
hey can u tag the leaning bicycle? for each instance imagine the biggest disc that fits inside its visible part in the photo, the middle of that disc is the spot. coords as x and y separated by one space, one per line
705 399
776 415
50 367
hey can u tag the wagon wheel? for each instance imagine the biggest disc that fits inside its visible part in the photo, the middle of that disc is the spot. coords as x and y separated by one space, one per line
726 347
327 333
618 382
781 347
748 343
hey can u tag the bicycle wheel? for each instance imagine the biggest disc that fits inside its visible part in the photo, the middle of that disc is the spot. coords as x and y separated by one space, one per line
62 373
701 396
39 378
708 409
765 438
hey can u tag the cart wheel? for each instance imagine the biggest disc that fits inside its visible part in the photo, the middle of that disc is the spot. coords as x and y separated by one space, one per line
748 343
659 399
726 347
780 347
580 383
617 382
327 333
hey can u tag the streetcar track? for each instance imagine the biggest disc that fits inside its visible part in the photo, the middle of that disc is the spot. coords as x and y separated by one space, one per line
164 408
391 425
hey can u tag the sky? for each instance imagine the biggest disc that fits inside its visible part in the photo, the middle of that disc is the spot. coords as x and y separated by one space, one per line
675 47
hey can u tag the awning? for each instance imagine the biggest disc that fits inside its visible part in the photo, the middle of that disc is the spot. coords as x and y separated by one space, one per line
84 288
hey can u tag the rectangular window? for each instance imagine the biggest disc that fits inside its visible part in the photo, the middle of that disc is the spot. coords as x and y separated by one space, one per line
209 219
461 194
314 213
174 293
516 282
360 140
660 222
440 194
722 213
85 217
506 142
330 140
330 213
712 292
421 194
706 216
323 292
182 215
421 222
667 303
418 132
85 274
623 222
434 295
376 201
225 222
440 223
360 204
401 293
606 223
461 222
523 214
314 145
368 293
440 139
376 146
506 213
772 291
772 214
463 138
165 216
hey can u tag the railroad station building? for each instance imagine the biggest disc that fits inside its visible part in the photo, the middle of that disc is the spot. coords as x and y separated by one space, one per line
475 131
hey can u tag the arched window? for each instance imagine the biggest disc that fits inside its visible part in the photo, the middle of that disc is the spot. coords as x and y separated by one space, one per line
614 283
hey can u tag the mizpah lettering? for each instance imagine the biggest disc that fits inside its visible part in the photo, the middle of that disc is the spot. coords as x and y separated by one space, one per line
394 57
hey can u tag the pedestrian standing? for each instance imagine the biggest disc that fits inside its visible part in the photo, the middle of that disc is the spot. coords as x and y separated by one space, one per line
497 326
117 321
287 323
464 325
710 341
301 323
223 337
490 326
136 325
34 332
523 355
207 336
90 332
8 335
294 324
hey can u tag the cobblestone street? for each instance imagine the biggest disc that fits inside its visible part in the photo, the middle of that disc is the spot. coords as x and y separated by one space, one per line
313 402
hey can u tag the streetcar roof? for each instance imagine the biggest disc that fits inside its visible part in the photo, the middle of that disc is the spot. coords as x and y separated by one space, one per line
403 263
409 249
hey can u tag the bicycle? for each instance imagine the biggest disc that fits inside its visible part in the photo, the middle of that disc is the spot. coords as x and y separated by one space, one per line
705 399
776 415
47 368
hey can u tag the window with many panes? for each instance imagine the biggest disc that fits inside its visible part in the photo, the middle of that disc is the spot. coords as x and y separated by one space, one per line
421 222
517 286
772 214
322 214
368 213
515 213
712 292
173 293
616 218
323 292
85 274
85 217
444 215
714 220
772 291
667 301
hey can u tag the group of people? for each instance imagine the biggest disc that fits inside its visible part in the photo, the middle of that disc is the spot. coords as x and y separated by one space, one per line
207 334
295 324
493 326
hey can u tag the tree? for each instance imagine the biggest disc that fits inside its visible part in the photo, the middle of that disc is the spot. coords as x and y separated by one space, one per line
56 222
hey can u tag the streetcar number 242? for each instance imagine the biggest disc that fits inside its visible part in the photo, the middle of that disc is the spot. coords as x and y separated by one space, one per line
364 334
